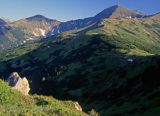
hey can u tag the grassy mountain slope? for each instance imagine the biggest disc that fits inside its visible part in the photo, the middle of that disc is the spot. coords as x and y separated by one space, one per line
115 11
14 103
106 66
133 34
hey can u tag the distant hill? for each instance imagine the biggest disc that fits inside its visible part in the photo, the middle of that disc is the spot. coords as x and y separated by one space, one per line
14 34
111 12
37 25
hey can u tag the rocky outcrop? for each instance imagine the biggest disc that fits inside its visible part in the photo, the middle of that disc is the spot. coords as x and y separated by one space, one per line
18 83
77 106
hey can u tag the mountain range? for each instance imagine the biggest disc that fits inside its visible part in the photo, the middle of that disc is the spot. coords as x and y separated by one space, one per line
19 32
111 12
109 62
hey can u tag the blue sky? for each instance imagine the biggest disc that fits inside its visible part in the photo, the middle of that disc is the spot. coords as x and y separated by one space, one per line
64 10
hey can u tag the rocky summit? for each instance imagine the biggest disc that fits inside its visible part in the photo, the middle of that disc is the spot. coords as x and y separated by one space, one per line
18 83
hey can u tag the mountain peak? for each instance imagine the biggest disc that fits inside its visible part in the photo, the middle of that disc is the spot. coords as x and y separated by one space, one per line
118 11
39 17
114 6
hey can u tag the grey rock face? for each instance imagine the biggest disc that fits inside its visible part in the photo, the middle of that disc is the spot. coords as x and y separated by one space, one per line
18 83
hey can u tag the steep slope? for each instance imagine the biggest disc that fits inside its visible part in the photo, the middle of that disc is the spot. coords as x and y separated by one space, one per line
14 34
2 22
111 12
155 16
37 25
6 39
103 66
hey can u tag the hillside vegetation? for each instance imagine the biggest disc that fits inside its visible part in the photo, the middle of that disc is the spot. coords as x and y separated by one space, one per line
107 66
14 103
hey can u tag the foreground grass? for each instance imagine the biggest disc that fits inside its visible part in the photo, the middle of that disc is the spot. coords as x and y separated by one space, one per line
14 103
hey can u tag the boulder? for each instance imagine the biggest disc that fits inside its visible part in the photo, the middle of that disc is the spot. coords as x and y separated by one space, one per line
77 106
18 83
